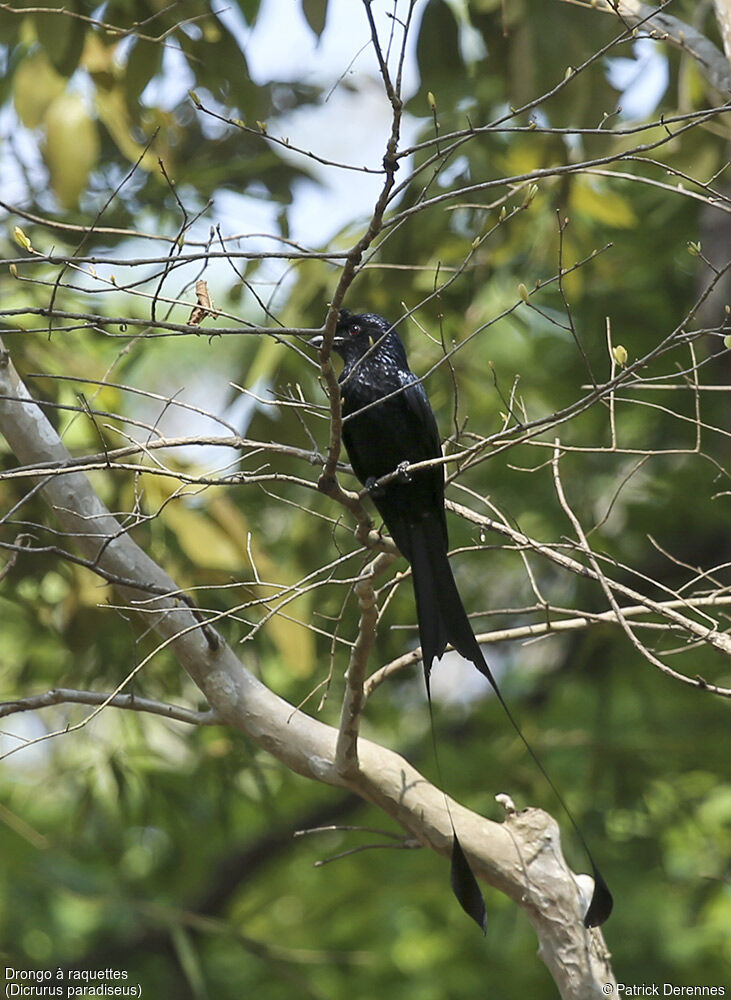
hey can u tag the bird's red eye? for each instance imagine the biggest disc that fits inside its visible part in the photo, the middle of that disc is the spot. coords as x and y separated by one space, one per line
354 331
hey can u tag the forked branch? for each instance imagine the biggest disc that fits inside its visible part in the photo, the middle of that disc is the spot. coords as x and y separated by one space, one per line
521 857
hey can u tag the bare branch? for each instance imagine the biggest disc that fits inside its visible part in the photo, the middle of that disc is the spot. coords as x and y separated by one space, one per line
346 751
554 626
668 28
505 857
719 640
723 16
131 702
608 589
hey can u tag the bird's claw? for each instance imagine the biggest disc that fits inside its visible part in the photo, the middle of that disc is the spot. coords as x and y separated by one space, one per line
403 472
372 487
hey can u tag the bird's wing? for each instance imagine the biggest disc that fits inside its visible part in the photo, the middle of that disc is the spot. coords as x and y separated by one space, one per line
419 409
417 405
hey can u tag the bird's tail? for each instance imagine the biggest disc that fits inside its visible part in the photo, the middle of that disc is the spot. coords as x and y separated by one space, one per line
421 542
441 614
449 611
442 618
428 584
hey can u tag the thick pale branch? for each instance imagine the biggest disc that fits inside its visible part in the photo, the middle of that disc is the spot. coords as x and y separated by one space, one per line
667 28
520 857
723 16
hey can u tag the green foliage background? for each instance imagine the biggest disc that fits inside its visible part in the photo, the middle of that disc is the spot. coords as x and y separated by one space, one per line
168 852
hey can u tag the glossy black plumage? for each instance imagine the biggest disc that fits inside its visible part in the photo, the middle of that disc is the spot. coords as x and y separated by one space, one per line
388 424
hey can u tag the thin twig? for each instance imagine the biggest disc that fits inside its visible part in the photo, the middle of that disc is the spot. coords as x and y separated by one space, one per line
346 751
130 702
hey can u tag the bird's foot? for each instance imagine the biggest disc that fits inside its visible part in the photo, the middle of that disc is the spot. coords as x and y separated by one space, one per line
403 472
371 484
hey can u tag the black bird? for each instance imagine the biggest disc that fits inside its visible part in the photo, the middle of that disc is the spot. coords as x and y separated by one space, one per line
389 425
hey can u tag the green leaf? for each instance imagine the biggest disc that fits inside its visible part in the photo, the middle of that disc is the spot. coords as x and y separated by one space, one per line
602 204
437 49
204 542
250 10
36 84
189 961
113 111
71 148
206 55
143 63
61 35
9 27
315 12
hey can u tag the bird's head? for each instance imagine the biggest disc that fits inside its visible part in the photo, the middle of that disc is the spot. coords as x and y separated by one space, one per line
361 334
